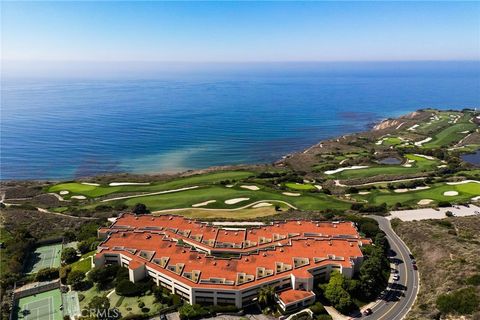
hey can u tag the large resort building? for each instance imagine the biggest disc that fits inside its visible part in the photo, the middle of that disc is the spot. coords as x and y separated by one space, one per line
215 265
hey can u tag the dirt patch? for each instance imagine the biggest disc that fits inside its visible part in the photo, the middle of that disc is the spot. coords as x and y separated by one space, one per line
449 245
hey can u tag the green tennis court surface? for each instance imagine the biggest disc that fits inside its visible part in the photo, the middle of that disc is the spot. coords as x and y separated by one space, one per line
44 257
42 306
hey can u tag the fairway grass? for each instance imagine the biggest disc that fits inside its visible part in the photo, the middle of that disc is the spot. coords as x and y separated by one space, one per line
420 164
42 306
436 193
91 191
185 199
241 214
450 135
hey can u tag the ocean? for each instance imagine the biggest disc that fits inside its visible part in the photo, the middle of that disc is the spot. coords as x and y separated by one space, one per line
68 127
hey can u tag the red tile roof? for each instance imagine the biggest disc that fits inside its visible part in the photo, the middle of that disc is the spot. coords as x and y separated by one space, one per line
315 252
201 234
292 296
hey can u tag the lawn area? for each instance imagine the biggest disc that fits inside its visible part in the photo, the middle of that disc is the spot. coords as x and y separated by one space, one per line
85 262
450 134
421 164
90 293
300 186
185 199
129 305
465 192
98 191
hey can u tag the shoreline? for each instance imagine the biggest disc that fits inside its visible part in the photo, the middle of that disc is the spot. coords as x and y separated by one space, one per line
168 174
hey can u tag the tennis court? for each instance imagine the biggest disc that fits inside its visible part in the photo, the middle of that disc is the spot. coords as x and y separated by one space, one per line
42 306
71 305
44 257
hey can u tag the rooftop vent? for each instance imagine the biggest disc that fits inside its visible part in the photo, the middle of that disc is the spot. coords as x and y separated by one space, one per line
236 233
264 254
281 250
148 236
214 263
170 218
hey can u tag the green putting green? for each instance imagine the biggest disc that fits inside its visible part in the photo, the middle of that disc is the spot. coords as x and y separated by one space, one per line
300 186
42 306
392 141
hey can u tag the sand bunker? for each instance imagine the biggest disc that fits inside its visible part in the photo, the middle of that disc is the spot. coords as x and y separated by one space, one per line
262 204
411 189
116 184
477 198
319 187
462 182
229 185
201 204
236 200
364 192
291 194
424 202
63 192
253 188
450 193
345 168
79 197
91 184
413 127
419 143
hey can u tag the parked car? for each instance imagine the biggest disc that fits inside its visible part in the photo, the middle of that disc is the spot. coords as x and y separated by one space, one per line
415 267
396 277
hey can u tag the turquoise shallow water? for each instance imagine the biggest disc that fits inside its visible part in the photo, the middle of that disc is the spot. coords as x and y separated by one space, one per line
65 128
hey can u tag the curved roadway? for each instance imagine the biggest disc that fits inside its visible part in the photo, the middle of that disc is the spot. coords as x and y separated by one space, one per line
400 295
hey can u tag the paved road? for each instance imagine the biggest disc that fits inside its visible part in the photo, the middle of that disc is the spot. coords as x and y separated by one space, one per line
401 294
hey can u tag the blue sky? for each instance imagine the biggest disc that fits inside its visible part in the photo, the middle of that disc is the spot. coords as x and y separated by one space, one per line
240 31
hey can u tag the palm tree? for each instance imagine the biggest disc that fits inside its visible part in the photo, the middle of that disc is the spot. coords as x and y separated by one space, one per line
266 295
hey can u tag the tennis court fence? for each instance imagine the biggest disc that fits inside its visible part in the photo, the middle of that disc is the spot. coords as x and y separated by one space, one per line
35 288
